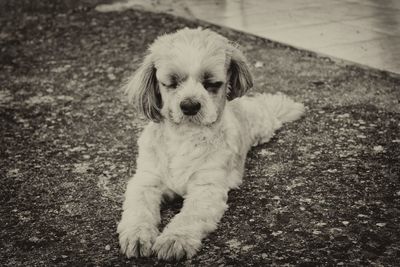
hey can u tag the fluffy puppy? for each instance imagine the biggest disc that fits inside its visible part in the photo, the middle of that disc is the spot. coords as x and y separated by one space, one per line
190 87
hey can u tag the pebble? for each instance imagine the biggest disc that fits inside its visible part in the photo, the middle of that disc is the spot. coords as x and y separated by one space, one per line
335 230
378 148
345 115
81 168
247 247
307 200
277 233
259 64
264 255
111 76
77 149
234 244
264 152
34 239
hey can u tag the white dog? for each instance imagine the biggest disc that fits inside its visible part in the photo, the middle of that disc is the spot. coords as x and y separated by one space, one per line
190 86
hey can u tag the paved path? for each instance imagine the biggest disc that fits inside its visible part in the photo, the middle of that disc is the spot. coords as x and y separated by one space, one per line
365 32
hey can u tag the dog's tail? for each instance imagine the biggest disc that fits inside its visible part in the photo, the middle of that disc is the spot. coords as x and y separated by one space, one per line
263 114
282 107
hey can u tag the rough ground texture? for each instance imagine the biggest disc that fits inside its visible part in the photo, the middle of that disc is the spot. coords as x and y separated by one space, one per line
325 190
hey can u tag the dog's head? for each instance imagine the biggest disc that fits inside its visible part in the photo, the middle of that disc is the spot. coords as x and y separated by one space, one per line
187 77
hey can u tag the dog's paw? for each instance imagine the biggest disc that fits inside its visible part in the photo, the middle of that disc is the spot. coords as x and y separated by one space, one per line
136 240
175 246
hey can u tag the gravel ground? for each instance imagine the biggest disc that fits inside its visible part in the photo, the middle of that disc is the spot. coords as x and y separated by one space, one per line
325 190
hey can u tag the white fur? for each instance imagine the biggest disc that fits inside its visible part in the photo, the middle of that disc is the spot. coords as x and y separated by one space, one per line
198 157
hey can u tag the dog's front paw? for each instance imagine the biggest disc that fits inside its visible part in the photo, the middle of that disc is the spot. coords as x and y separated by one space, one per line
175 246
136 240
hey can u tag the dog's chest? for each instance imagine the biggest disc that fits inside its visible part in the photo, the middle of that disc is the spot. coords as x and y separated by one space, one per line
182 158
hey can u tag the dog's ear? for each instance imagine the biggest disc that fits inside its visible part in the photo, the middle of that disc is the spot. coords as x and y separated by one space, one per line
143 91
240 79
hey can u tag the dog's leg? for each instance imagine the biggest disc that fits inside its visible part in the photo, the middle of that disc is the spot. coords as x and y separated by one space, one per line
202 209
141 215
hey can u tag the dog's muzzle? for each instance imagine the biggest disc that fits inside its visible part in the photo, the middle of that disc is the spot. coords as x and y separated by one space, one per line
190 107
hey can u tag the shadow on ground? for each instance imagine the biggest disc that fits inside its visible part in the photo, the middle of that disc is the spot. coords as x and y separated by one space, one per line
325 190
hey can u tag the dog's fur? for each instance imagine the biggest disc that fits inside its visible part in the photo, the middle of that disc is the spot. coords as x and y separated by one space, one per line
199 157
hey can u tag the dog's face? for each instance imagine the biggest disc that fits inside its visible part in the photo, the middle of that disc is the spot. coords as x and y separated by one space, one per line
187 77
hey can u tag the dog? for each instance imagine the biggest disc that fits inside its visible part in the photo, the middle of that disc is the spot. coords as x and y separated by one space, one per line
191 87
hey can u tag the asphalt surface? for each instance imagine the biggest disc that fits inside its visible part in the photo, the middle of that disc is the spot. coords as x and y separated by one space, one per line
324 191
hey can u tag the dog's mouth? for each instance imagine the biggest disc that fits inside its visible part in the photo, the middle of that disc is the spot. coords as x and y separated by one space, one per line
200 120
197 120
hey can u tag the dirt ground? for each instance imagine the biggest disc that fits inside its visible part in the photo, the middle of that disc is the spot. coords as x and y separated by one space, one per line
324 191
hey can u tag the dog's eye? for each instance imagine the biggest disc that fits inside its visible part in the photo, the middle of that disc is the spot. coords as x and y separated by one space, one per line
212 86
169 86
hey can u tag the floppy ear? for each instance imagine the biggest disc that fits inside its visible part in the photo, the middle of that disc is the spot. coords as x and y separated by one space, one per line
142 89
240 79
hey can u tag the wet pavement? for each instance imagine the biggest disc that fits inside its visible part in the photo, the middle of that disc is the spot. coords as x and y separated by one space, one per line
324 191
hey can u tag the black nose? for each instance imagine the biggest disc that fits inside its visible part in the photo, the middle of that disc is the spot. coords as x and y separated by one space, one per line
190 107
